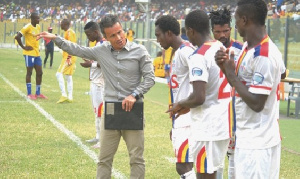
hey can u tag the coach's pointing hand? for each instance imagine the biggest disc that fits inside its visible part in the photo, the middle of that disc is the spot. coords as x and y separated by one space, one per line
45 34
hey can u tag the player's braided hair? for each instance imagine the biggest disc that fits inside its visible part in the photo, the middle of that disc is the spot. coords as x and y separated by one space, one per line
220 17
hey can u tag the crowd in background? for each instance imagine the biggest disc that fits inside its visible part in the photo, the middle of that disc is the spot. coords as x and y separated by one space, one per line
127 11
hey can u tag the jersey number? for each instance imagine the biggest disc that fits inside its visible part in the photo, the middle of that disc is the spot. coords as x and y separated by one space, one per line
222 94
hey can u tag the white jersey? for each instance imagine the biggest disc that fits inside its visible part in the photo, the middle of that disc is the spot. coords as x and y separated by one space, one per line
211 120
96 75
260 69
236 47
180 88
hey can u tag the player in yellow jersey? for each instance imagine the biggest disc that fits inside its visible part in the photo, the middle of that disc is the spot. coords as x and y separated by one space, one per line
158 64
67 66
32 54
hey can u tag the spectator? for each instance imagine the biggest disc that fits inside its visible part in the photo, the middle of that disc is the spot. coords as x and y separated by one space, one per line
49 49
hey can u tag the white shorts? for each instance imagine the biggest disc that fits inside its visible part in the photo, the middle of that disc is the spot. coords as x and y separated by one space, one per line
209 155
181 146
96 98
257 163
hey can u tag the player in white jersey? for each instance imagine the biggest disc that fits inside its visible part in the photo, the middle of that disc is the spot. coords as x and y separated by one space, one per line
92 31
167 32
256 79
209 101
221 29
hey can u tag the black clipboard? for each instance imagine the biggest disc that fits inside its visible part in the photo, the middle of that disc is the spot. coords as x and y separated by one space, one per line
118 119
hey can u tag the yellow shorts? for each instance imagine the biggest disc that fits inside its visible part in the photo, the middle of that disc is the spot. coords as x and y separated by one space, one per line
66 69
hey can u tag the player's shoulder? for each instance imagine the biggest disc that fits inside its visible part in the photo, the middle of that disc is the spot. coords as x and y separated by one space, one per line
29 25
236 44
207 46
262 49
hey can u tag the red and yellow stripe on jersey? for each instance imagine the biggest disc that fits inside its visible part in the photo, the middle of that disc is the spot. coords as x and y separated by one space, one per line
203 48
183 152
231 116
201 163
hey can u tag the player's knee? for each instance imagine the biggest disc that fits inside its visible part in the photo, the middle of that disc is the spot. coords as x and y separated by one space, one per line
40 73
29 73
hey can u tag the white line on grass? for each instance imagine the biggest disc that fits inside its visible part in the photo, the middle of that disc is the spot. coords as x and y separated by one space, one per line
15 101
62 128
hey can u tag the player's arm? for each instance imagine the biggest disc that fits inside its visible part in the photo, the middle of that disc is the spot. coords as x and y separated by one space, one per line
18 39
255 101
196 98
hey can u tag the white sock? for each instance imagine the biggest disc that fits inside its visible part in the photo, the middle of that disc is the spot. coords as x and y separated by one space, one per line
69 86
97 122
231 170
61 83
220 173
189 175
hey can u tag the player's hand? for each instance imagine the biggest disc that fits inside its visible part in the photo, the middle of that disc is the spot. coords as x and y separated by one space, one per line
220 57
28 48
175 110
45 34
68 61
229 66
128 103
86 63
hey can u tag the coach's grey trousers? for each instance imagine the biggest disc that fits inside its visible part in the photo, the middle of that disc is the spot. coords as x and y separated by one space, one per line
109 142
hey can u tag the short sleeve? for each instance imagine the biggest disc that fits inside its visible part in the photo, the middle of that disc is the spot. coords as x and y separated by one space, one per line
197 68
262 80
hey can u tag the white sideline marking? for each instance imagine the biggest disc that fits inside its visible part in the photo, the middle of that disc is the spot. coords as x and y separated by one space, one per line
15 101
62 128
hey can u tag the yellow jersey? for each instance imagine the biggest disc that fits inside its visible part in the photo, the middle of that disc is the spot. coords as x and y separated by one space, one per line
92 44
167 56
30 32
71 36
159 70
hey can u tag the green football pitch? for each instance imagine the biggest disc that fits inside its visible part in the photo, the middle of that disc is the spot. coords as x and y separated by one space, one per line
42 139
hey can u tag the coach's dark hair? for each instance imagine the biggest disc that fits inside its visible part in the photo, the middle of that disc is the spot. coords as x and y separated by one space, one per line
256 10
92 26
168 23
108 21
220 17
199 21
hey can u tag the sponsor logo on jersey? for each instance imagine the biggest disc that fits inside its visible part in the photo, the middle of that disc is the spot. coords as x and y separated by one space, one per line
197 71
257 78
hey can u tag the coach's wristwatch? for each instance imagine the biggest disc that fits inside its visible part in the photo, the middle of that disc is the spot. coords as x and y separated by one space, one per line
136 96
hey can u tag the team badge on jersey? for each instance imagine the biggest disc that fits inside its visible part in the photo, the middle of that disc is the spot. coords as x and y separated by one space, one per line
257 78
197 71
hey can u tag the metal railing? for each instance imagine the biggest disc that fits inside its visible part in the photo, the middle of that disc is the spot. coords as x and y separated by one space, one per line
284 32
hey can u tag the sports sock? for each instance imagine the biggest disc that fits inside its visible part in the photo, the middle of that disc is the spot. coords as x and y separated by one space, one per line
69 86
231 167
61 83
38 90
28 85
220 173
